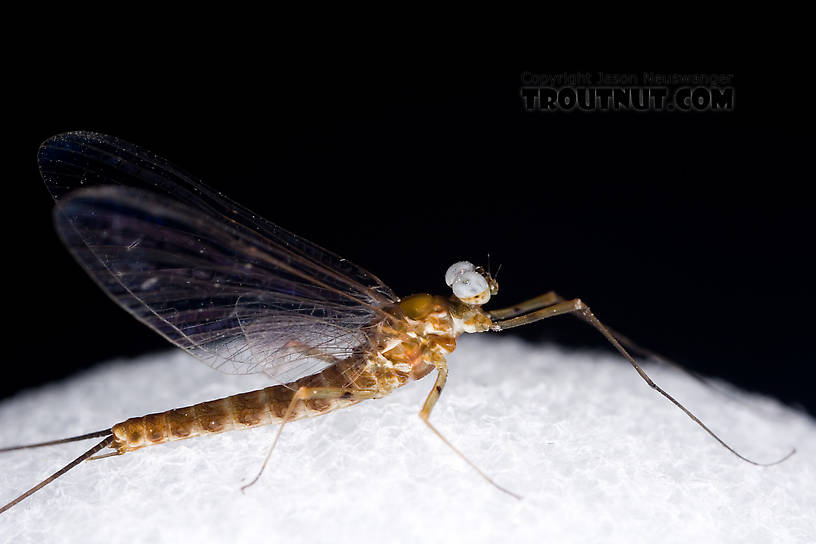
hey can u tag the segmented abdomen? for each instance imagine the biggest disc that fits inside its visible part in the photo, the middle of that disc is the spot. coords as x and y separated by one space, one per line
409 359
240 411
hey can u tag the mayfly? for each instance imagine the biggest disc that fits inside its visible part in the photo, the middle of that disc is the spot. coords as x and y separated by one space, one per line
246 296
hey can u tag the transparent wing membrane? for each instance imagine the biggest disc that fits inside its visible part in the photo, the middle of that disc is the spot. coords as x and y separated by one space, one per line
232 289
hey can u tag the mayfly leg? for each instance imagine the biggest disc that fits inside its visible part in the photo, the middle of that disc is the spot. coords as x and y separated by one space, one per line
551 297
547 299
425 414
311 393
577 307
84 457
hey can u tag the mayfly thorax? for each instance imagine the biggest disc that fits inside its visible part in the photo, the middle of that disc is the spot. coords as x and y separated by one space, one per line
246 296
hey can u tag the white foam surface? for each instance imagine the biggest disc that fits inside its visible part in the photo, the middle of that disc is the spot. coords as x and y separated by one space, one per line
597 455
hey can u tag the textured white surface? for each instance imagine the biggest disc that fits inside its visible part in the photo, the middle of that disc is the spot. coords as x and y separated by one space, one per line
597 455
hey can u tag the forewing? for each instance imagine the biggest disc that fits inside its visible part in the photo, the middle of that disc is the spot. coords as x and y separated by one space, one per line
217 287
77 160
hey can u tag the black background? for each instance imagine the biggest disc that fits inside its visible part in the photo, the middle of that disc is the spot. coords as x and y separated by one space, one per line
689 232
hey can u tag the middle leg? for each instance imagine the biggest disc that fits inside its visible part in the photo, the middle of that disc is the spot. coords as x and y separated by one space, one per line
425 414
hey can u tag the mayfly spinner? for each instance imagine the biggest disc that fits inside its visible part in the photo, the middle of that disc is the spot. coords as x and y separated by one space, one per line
244 296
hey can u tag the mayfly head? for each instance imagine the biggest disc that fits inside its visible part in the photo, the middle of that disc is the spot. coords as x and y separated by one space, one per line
471 284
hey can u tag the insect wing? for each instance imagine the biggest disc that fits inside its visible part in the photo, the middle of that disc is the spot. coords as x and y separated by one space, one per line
210 282
76 160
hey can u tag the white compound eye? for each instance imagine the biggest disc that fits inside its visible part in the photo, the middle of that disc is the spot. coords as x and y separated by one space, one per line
471 288
456 269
